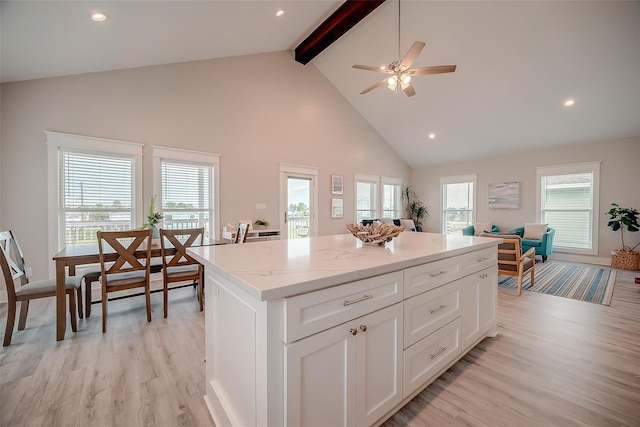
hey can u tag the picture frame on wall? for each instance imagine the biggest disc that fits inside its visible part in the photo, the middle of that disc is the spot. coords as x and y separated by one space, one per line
504 195
337 208
337 184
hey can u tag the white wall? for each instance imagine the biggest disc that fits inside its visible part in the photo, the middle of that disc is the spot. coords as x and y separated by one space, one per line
618 183
257 111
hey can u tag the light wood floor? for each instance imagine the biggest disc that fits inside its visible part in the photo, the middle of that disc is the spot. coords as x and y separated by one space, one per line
555 362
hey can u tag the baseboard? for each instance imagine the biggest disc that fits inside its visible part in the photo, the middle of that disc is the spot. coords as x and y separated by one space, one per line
580 258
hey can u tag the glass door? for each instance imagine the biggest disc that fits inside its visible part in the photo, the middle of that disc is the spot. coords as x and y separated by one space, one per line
298 207
299 200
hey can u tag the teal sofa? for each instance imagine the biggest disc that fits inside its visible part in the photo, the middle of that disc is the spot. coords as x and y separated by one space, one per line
543 247
470 230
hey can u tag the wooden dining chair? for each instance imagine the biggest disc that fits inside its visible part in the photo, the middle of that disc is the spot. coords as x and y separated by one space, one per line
127 271
241 234
14 268
181 267
511 260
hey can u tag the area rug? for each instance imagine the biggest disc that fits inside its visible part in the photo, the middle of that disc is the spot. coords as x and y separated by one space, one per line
575 281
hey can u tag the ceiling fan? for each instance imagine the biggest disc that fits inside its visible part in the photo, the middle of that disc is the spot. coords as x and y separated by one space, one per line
400 72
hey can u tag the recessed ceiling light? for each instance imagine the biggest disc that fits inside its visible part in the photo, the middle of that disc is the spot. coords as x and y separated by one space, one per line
99 17
569 103
432 135
280 13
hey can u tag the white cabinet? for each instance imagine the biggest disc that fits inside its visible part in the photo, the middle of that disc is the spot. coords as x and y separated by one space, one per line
348 353
349 375
479 312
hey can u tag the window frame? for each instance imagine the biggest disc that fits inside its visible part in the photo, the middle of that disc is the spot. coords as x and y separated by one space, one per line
370 179
570 169
397 182
198 158
87 145
457 179
378 205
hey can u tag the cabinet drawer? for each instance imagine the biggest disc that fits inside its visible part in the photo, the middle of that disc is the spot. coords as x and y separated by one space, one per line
428 276
429 311
316 311
426 358
479 260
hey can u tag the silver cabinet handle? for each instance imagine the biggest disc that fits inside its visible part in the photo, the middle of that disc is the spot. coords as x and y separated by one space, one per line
353 301
438 274
363 328
439 352
442 307
484 259
353 331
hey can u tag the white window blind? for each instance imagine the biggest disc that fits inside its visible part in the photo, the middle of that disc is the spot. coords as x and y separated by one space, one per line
366 202
567 206
96 193
391 200
187 195
568 202
457 203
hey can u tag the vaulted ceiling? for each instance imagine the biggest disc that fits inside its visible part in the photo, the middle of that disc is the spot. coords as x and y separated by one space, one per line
517 62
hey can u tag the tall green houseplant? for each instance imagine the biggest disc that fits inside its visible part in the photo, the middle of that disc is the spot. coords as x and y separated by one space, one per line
621 218
414 208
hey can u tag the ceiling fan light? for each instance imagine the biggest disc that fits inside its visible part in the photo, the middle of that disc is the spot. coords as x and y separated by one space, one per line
391 81
406 79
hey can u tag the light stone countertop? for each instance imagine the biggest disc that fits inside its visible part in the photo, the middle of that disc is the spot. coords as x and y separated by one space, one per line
283 268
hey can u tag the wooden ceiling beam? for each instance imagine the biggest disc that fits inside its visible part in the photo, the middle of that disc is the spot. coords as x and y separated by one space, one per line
342 20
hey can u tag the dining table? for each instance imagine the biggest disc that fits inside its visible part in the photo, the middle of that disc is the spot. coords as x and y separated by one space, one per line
70 257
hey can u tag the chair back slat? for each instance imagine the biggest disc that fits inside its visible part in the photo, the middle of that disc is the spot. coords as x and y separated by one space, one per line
180 239
12 262
241 234
125 243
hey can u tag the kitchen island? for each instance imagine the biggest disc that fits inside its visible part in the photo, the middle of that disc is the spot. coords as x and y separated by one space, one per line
328 331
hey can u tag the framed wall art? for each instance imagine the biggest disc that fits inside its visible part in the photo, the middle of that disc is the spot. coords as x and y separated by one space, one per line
336 208
504 195
337 184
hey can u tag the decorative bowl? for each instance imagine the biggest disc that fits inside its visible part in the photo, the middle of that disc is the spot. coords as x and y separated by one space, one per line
375 234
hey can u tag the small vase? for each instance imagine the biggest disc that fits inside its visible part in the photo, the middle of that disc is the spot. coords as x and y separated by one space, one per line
155 235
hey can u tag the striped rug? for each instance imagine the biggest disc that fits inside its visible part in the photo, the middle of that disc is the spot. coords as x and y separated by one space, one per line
575 281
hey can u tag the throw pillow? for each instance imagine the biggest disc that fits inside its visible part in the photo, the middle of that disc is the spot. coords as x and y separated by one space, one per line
534 231
387 221
408 224
481 227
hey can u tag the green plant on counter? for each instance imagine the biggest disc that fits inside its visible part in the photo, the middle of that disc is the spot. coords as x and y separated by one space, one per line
261 223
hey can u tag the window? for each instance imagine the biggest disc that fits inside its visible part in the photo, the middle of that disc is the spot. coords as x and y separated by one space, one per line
458 195
94 184
568 202
391 204
377 197
186 186
366 197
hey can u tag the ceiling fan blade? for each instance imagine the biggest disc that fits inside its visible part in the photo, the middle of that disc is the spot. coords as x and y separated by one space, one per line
370 88
408 89
370 68
411 55
438 69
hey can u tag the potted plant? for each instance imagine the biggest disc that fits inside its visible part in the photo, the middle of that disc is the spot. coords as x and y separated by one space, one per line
414 208
153 218
619 219
262 223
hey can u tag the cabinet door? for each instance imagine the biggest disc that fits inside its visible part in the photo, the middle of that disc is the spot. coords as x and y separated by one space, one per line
320 379
489 301
479 296
379 364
